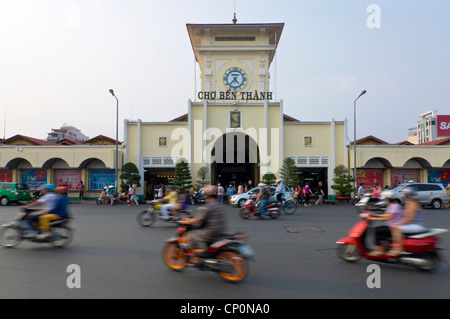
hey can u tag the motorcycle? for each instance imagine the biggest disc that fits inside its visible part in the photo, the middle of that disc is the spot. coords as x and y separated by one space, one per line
251 208
197 198
104 199
36 195
420 250
227 256
148 217
22 228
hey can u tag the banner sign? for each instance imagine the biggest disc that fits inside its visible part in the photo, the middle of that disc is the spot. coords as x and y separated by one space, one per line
443 125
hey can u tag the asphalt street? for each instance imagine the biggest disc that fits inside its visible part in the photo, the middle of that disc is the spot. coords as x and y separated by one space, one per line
294 259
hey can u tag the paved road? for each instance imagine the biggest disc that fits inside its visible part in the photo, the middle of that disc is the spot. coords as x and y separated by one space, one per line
294 259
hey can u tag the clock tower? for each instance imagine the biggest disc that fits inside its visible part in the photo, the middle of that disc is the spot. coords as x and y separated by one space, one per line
234 59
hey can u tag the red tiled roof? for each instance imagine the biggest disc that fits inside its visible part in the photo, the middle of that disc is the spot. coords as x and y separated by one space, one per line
440 141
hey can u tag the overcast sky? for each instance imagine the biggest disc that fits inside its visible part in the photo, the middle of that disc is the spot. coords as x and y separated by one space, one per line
59 58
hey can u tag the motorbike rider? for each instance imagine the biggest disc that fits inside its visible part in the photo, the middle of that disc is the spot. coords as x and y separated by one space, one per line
171 198
263 198
47 201
280 190
392 214
413 220
59 211
212 220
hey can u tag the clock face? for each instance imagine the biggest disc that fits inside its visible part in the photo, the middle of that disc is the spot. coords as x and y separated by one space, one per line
234 78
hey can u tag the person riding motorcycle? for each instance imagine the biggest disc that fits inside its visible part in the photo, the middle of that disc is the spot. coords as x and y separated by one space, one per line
263 198
412 222
60 211
213 224
171 198
392 214
47 201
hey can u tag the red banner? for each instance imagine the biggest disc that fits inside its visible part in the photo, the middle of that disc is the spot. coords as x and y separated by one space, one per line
443 125
6 175
369 177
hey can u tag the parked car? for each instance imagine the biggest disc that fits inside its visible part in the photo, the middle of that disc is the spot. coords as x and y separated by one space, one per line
428 194
14 192
239 199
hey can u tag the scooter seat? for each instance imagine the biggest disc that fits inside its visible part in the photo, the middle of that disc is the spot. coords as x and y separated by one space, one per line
428 233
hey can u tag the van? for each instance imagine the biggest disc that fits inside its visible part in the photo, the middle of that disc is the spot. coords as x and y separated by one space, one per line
14 192
428 194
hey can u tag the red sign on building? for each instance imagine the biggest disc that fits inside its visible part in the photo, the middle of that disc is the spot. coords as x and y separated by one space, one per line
443 125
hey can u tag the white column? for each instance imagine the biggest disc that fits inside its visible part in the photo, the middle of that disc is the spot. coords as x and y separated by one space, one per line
140 163
332 162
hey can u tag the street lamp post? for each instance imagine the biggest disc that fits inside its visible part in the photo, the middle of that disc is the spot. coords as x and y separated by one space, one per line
117 138
354 138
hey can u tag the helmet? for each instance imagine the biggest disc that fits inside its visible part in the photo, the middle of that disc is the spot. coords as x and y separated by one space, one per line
210 190
409 192
261 185
61 190
49 187
278 180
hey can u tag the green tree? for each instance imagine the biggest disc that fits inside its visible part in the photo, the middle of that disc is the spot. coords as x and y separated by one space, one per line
182 176
288 172
269 178
343 182
130 175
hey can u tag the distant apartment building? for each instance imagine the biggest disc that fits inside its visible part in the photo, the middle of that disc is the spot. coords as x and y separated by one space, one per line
66 132
430 127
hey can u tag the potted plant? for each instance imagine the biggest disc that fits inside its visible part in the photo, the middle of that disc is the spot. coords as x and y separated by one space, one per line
343 183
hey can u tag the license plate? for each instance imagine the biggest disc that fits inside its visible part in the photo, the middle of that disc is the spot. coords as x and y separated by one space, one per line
246 251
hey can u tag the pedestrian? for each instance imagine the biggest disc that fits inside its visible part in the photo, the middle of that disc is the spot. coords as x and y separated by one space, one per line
360 191
220 192
300 195
111 193
320 195
307 193
82 191
133 195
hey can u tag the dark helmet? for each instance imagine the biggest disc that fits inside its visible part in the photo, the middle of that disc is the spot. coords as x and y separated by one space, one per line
409 192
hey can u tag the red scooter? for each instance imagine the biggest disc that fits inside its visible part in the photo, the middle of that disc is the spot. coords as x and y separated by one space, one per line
251 208
419 250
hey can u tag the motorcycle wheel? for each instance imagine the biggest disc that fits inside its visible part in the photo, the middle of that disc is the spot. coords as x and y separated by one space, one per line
99 202
192 201
146 219
61 236
238 263
244 213
348 252
10 237
289 207
432 260
174 257
274 214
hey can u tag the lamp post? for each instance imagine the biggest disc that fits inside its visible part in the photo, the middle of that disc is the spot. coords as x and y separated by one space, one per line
354 138
117 138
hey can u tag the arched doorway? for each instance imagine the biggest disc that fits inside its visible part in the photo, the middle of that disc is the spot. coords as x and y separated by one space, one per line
235 159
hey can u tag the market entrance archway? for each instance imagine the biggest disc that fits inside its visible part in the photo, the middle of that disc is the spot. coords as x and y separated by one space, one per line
235 159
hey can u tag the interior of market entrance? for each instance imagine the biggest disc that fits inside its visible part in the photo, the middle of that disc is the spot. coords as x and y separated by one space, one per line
313 176
235 160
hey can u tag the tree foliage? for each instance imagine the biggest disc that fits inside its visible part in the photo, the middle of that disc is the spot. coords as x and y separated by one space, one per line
288 172
343 182
269 178
130 175
182 176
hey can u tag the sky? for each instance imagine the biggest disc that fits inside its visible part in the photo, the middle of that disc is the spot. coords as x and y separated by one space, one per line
59 58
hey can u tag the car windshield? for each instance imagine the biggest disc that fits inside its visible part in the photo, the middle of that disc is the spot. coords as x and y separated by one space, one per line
397 187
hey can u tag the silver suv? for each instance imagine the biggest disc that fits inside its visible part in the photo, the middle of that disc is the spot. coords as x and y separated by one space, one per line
428 194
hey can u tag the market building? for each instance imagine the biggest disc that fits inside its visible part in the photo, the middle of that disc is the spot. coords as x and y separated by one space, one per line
35 162
237 130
